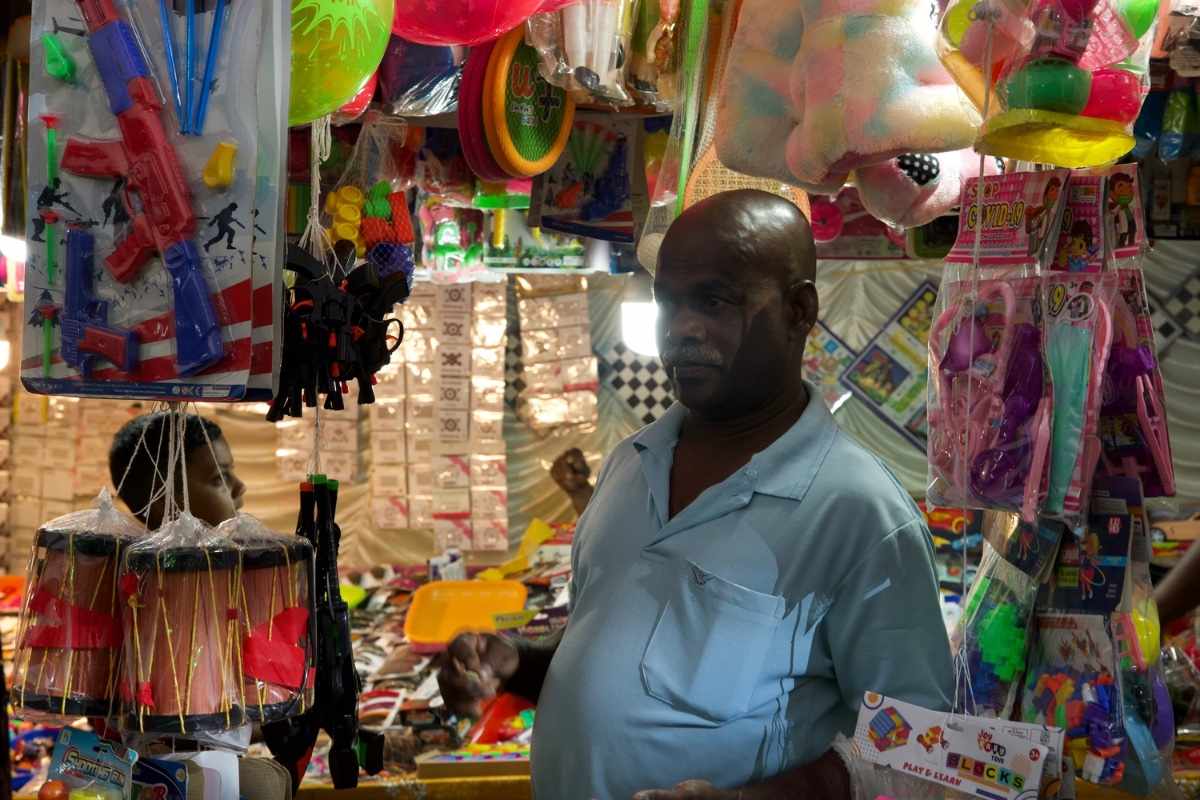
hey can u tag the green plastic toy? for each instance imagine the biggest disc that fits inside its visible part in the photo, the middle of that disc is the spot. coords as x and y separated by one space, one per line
59 63
377 204
1002 641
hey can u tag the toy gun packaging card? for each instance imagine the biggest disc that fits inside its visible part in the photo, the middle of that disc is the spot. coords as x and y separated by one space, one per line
147 169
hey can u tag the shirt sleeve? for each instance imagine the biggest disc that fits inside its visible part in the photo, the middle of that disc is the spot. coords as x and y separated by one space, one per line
885 627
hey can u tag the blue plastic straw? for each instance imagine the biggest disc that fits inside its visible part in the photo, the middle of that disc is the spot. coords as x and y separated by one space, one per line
164 16
191 63
210 66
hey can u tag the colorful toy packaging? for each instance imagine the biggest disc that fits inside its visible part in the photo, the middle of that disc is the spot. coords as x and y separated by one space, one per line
1061 80
990 404
92 768
992 636
142 273
1094 671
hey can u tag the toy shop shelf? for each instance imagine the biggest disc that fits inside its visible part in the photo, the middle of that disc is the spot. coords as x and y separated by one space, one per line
442 789
581 113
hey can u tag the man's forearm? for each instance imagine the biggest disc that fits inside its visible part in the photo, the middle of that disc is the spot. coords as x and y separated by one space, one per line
533 664
1179 592
824 779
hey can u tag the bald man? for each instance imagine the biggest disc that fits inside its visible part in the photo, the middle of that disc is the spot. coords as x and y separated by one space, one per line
744 571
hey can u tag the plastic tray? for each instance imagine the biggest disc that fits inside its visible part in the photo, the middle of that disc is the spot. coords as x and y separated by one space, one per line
443 609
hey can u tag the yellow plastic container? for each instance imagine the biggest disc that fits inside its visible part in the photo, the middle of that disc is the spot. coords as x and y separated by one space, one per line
443 609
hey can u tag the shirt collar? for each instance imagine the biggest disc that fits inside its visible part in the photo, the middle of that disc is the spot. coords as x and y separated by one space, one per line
786 468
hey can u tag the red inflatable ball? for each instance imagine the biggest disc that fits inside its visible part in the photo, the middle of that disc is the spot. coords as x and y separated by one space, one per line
465 22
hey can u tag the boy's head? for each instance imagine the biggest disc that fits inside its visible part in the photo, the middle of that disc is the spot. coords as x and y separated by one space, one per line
214 491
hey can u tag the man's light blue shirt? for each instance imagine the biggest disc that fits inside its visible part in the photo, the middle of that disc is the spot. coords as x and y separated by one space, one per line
735 640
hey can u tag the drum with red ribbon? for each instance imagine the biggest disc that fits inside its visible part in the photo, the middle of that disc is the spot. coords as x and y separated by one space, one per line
69 643
182 664
275 619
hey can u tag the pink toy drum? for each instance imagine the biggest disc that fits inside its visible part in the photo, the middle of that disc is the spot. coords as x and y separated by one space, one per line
69 644
182 671
275 619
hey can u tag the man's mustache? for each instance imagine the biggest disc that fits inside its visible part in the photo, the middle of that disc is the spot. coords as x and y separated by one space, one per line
692 355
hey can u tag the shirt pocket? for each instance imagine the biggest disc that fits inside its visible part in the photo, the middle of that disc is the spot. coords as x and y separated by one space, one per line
706 652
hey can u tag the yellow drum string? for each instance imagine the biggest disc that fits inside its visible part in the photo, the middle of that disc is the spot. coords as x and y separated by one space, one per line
170 644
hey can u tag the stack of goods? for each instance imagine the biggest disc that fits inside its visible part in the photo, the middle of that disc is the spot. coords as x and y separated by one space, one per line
469 465
43 441
559 370
399 680
338 444
389 458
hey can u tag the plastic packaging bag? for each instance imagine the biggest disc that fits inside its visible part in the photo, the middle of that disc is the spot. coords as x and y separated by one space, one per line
989 410
1030 547
1094 671
1063 81
1133 420
1079 333
419 80
69 640
992 636
654 66
275 619
584 47
989 403
370 186
181 670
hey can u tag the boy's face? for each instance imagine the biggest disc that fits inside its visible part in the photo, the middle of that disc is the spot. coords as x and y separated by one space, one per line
214 491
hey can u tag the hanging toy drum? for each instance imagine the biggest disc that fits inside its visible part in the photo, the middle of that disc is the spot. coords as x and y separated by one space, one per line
181 659
69 645
275 619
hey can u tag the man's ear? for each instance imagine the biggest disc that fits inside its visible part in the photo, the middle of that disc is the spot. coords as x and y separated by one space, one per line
803 307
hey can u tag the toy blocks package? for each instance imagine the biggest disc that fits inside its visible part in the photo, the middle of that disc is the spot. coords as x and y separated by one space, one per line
1094 670
148 193
993 636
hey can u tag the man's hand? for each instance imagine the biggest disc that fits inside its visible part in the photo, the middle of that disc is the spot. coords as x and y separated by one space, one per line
473 670
688 790
571 472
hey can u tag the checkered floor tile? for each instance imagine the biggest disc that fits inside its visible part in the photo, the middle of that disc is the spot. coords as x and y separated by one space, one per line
1166 329
1184 306
640 382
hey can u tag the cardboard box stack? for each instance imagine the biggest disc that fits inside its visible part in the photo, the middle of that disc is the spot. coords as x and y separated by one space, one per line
558 367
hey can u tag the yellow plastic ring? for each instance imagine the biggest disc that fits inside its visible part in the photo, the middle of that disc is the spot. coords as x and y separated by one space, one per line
1064 140
500 139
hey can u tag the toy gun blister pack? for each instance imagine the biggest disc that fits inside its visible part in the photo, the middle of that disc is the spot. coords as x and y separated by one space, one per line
146 160
171 209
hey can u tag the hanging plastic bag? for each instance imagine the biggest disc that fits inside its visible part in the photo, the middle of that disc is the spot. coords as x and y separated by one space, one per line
352 199
1094 671
69 638
989 405
1079 332
584 47
992 638
1133 421
419 80
1062 82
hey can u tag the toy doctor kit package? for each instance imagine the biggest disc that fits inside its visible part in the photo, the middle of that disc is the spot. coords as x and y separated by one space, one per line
148 195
